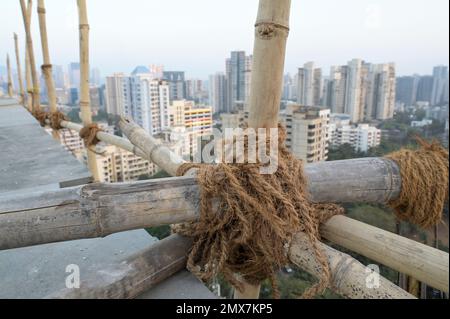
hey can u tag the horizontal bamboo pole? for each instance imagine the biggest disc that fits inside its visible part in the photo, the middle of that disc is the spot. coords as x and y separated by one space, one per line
135 275
97 210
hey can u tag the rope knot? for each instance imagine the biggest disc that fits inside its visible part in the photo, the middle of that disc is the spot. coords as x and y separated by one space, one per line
247 219
89 134
41 116
56 118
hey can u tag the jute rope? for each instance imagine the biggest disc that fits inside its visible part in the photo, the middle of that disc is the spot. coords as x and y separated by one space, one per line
247 220
89 134
56 118
424 174
41 116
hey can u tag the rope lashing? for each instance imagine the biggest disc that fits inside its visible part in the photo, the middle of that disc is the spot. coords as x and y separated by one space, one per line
89 134
41 116
424 174
56 118
247 220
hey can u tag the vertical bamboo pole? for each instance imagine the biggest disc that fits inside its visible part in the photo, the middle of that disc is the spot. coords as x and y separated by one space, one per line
47 66
19 70
28 81
86 114
271 32
10 84
34 75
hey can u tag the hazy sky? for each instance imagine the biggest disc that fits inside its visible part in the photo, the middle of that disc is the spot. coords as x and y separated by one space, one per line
197 35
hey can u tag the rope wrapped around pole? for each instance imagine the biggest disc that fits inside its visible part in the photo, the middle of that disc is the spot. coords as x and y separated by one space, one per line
424 191
247 220
89 134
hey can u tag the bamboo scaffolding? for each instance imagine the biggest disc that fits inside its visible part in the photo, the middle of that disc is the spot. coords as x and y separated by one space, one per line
97 210
271 33
28 78
28 81
137 274
26 14
118 141
10 84
85 107
47 66
19 70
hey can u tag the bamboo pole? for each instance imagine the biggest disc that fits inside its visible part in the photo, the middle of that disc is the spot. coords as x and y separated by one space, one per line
134 275
118 141
271 32
28 81
10 84
141 272
85 107
28 78
47 66
153 150
19 70
34 75
97 210
349 277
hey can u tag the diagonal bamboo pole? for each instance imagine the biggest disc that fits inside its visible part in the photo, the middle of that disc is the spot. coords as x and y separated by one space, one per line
10 84
19 70
34 75
85 107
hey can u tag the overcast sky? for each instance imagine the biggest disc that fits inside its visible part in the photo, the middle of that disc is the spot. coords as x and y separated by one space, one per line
197 35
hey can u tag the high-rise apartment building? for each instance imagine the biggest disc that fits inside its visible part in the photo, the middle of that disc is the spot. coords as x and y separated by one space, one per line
218 92
177 86
440 84
141 97
196 121
361 137
59 76
307 132
74 75
406 89
95 77
115 93
117 165
236 74
362 90
309 91
381 85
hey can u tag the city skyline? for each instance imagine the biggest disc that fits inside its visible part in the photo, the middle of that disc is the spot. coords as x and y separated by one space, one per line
380 34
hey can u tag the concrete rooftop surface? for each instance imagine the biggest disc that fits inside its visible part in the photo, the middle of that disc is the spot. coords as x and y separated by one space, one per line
31 160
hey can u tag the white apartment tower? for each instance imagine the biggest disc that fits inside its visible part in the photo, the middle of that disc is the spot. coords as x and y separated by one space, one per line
381 86
309 83
140 96
115 86
307 132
